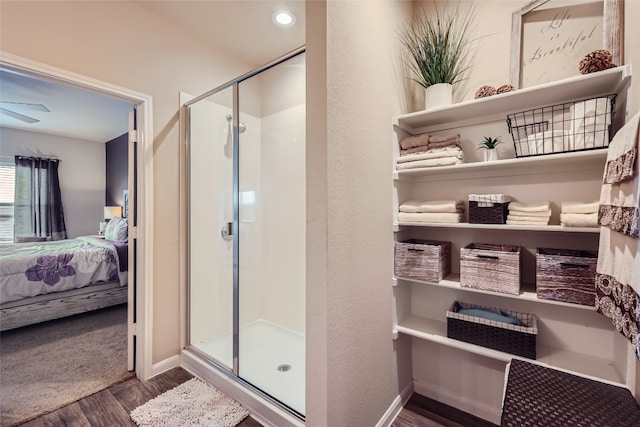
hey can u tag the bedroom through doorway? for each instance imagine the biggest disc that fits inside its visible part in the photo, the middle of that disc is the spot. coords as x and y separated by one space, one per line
41 117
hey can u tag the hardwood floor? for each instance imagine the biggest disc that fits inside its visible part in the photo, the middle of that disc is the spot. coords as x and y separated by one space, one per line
420 411
111 407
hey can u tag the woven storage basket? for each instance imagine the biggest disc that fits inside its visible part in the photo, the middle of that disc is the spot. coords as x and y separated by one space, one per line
490 267
566 275
515 339
428 260
494 214
536 395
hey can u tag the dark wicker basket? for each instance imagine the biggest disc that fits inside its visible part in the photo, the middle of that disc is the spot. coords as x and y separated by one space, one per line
540 396
494 214
518 340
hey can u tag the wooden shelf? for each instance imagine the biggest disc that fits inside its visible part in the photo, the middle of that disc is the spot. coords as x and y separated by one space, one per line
527 291
570 161
575 88
577 363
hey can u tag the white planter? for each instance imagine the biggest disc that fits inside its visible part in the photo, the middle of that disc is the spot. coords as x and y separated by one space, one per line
438 95
490 155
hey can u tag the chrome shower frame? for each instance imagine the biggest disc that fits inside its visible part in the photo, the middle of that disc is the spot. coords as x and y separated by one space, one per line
237 127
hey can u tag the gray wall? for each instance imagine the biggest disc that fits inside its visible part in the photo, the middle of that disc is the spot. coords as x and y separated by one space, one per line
116 164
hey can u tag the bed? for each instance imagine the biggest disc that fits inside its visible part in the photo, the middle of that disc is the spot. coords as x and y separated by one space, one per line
41 281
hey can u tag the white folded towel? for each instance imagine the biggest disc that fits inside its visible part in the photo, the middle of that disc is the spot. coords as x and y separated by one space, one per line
518 222
516 213
433 154
580 207
430 217
529 207
441 161
416 206
531 218
579 219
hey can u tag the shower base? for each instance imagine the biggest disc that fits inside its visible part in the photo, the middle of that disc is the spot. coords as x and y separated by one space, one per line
271 358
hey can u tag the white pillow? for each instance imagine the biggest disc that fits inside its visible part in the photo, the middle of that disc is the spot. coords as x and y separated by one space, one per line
117 230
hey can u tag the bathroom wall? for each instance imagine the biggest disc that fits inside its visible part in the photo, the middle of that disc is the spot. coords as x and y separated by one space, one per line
354 88
283 199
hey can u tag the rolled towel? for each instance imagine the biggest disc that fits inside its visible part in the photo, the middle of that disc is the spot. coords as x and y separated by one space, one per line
541 214
415 141
580 207
433 154
441 161
548 142
579 219
518 222
584 138
416 206
529 207
430 217
437 139
595 112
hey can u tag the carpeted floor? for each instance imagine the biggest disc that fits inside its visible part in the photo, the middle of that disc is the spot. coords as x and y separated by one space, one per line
46 366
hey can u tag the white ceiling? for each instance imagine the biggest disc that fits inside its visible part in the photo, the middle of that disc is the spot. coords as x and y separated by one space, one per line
241 28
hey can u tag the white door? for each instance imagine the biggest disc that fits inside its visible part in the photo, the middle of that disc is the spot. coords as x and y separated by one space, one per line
129 208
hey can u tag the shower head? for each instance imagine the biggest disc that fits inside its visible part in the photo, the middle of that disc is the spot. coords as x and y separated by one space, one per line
241 126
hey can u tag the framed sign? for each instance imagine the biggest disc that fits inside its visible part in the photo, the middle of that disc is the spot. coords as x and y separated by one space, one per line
550 37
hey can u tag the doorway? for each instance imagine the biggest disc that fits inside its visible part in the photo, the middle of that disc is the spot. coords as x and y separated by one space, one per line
140 192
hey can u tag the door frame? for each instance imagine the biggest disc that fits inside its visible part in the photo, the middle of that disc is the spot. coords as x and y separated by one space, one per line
144 232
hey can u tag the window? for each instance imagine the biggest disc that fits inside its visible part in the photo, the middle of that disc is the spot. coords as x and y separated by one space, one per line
7 197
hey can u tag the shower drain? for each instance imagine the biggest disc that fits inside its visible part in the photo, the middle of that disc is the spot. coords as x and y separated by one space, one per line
284 367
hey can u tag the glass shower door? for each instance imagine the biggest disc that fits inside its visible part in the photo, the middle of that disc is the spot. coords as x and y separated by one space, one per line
247 230
272 231
210 153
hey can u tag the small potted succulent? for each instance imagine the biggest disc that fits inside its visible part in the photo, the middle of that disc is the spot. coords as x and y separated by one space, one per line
490 144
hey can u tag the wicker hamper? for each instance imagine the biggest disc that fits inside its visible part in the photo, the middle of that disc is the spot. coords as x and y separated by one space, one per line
494 214
515 339
490 267
566 275
428 260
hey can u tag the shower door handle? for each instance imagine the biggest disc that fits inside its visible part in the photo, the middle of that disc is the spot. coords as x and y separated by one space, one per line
227 231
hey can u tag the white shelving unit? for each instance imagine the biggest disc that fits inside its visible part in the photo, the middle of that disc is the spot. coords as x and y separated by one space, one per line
571 337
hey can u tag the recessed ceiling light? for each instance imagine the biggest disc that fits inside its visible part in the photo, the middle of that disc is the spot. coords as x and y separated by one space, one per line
284 18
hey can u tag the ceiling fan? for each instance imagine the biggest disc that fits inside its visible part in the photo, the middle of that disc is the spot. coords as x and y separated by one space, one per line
7 108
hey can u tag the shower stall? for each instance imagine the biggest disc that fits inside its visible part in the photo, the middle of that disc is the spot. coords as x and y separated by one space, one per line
246 230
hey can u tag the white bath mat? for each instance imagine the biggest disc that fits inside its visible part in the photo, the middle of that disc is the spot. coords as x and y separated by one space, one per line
192 403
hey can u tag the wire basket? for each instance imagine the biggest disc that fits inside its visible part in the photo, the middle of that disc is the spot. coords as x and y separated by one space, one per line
572 126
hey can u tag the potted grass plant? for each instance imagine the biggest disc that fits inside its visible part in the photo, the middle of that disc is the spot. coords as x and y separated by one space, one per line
490 144
437 50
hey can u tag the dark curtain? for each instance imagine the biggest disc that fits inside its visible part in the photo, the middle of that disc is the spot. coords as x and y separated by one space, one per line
38 213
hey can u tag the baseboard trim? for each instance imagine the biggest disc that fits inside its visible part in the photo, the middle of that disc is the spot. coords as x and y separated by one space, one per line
396 406
165 365
441 395
263 411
